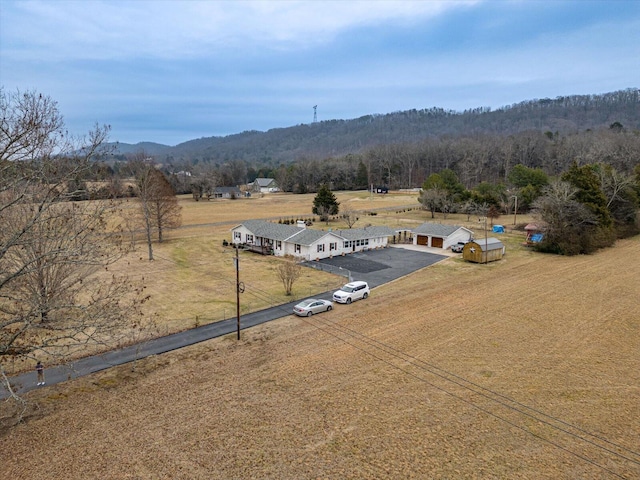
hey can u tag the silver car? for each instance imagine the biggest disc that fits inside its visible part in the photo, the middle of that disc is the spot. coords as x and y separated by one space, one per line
308 307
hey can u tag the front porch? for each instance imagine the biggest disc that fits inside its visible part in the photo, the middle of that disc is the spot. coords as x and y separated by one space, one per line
261 249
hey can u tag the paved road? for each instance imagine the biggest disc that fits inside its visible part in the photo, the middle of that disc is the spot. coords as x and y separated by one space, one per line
375 267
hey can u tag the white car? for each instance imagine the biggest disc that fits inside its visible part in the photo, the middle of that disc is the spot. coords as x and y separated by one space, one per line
351 291
458 247
308 307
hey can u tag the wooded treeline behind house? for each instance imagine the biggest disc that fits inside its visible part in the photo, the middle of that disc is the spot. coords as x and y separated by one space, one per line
401 149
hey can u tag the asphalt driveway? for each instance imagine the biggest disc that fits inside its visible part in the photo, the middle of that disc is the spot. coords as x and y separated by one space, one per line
375 267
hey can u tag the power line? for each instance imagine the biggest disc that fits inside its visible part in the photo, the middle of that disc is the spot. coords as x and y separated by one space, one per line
334 329
380 346
339 331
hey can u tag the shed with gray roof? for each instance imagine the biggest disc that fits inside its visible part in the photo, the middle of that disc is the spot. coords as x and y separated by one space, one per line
483 250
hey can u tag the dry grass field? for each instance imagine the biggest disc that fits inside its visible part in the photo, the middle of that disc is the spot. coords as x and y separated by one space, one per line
526 368
192 279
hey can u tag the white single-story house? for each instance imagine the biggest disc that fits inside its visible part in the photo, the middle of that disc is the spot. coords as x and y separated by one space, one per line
227 192
439 235
306 243
264 185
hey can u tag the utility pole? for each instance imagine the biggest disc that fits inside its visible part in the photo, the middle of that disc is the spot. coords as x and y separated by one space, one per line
515 210
315 114
237 262
486 250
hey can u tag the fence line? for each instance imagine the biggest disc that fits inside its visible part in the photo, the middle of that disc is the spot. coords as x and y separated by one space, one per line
329 268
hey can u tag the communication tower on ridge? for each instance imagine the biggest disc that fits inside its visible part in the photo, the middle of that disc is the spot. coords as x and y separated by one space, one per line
315 113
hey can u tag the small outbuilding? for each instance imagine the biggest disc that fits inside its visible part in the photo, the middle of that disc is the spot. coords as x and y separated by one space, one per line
483 250
534 232
438 235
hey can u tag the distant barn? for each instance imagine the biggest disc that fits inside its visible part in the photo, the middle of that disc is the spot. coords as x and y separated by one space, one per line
483 251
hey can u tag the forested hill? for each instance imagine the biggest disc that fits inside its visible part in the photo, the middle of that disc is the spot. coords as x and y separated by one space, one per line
333 138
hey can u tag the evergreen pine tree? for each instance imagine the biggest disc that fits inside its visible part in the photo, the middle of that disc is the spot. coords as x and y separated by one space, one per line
325 203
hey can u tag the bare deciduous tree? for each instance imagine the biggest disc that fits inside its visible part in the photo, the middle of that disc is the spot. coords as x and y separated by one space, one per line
165 207
56 294
432 199
569 224
204 184
158 203
493 213
349 216
288 272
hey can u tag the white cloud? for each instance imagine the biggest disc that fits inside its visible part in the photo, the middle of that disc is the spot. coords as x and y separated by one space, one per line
171 29
260 65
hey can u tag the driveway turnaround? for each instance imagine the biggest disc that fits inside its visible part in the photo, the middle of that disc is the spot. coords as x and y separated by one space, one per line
375 267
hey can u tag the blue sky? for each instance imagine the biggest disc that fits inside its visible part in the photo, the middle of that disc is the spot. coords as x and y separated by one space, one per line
172 71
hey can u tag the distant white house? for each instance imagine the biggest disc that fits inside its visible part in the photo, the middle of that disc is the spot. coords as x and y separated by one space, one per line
264 185
307 243
438 235
227 192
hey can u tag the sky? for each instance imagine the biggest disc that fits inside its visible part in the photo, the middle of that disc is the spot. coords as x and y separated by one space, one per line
178 70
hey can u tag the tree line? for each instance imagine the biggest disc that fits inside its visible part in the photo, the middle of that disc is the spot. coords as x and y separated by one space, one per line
59 236
401 149
57 293
338 138
580 210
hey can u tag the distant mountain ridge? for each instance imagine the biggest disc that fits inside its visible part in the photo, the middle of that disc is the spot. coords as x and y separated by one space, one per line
334 138
150 148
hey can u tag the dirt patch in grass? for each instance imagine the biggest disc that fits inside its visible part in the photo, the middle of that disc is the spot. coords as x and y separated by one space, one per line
524 368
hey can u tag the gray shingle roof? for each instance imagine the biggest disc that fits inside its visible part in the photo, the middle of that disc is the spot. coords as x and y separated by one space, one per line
363 233
226 190
264 182
306 236
435 229
270 230
491 244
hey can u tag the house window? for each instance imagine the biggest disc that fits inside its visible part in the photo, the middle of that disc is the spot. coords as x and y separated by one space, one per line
278 245
249 238
321 247
333 246
237 235
297 248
